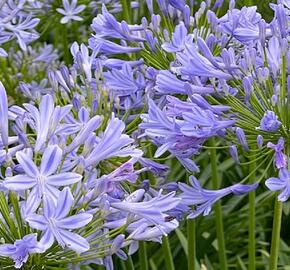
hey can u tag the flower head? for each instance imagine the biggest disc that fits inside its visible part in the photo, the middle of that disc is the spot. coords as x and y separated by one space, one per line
20 250
56 224
70 11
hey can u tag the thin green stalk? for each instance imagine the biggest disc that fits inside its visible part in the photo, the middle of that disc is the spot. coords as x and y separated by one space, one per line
252 242
167 254
129 263
143 259
191 246
276 235
218 210
127 10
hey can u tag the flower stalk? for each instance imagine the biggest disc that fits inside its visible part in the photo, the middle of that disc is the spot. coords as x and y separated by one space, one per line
218 209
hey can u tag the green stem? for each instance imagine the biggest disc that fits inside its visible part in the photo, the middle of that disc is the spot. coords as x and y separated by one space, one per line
167 254
191 246
126 9
143 256
252 242
276 235
218 210
129 264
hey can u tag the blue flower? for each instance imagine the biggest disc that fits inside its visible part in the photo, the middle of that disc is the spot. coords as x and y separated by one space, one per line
282 183
106 25
179 38
152 210
20 250
280 157
43 181
195 64
56 224
45 120
203 199
113 143
70 11
270 122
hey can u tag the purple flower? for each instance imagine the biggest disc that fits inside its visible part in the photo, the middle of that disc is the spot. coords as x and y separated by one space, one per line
280 157
270 122
234 153
242 138
282 183
203 199
20 250
57 226
108 47
124 82
113 143
106 25
195 64
151 210
42 181
179 37
70 11
168 83
45 120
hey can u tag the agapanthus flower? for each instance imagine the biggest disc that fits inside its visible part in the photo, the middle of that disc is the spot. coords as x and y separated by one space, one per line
112 143
70 11
280 157
57 225
281 183
45 120
270 122
203 199
21 249
43 181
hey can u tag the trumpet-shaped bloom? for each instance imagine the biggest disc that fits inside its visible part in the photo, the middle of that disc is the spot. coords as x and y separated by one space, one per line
203 199
20 250
113 143
56 225
280 157
45 120
41 181
282 183
152 210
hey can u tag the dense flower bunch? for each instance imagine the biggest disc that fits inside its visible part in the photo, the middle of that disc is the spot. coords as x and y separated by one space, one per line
86 133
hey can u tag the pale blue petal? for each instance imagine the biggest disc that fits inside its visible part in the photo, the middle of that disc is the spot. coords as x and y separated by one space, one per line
27 164
37 222
76 221
74 241
50 160
64 203
63 179
47 239
19 182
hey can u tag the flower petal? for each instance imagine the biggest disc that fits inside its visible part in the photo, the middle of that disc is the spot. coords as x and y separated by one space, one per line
27 164
47 240
63 179
74 241
19 182
37 222
50 160
76 221
274 183
64 203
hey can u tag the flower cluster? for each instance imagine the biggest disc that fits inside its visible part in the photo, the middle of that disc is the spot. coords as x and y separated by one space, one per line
86 133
